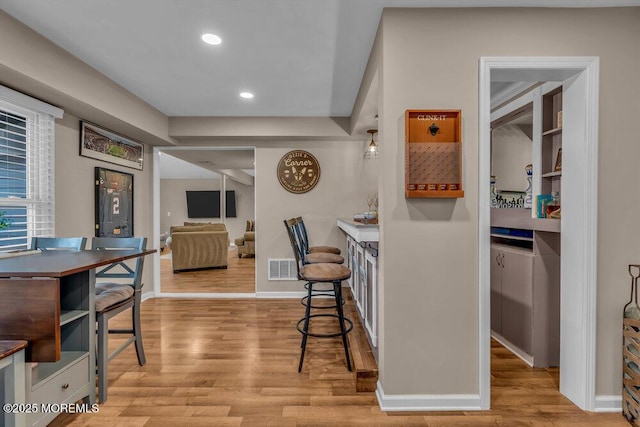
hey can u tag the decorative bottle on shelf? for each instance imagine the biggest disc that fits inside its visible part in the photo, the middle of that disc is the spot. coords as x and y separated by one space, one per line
553 206
494 196
527 198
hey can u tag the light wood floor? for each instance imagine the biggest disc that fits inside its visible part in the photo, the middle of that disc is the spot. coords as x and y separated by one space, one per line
234 362
238 277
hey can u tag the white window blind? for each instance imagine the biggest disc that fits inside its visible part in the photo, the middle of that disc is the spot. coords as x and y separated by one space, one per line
26 169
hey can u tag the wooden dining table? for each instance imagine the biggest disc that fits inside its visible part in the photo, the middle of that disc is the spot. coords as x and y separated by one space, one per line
48 299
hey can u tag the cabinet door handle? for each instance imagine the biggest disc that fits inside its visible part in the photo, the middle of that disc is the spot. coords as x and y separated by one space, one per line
65 386
498 259
502 259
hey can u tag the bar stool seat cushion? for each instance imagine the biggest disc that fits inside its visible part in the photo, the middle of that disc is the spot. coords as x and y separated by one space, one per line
320 257
108 294
325 272
324 249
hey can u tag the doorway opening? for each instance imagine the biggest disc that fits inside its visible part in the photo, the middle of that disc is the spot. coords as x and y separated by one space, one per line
204 187
579 78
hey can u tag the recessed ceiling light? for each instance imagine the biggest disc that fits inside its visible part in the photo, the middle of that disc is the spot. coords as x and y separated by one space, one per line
246 95
211 39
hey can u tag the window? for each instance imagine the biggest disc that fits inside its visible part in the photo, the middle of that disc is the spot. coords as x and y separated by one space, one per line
26 169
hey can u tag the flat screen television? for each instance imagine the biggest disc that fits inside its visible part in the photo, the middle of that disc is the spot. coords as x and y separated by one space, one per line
206 204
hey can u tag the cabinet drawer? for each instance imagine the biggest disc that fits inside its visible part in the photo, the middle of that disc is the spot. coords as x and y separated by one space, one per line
59 388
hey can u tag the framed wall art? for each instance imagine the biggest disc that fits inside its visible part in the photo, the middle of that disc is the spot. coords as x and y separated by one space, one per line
114 203
433 154
298 171
102 144
558 166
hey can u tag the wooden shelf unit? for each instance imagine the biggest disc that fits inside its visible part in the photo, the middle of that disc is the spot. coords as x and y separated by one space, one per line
552 174
551 141
433 154
48 299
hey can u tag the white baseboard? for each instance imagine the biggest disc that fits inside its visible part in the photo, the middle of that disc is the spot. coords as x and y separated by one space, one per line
264 295
208 295
526 358
148 295
428 402
281 294
608 404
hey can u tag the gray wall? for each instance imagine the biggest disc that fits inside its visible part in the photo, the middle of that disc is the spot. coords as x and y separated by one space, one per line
75 191
429 268
32 64
173 199
510 153
336 195
429 272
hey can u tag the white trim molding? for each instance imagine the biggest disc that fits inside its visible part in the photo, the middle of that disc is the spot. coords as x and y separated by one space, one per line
148 295
528 359
510 92
580 76
205 295
273 295
26 101
427 402
608 404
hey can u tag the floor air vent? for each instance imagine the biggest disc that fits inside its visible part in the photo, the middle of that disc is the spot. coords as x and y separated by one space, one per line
282 269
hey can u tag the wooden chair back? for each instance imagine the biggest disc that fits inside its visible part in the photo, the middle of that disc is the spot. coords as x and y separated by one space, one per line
302 235
58 243
291 225
121 270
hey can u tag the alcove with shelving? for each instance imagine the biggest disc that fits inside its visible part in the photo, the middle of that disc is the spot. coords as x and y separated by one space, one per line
551 142
525 249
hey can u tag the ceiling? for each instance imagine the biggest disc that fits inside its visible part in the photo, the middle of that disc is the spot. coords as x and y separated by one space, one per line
175 168
208 163
301 58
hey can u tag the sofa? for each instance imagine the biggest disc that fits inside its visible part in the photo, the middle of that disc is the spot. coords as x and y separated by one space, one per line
196 245
247 243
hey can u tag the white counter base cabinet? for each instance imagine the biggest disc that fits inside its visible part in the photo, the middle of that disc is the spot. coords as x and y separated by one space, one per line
362 260
371 294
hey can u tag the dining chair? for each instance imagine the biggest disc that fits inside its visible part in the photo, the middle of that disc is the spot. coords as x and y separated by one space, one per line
58 243
118 288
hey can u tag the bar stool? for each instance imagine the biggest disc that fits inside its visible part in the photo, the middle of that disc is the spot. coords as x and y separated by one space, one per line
318 256
315 274
315 258
304 241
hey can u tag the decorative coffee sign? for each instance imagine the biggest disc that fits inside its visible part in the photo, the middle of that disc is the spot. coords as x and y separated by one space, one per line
298 171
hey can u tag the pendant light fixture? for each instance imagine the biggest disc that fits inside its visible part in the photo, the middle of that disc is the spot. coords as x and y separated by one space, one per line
372 149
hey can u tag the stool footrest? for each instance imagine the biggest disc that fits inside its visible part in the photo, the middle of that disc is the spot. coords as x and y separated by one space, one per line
303 301
326 335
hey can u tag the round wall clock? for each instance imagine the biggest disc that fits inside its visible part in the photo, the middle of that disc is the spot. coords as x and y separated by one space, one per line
298 171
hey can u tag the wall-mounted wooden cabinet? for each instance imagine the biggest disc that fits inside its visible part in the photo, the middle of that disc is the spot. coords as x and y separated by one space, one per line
433 154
